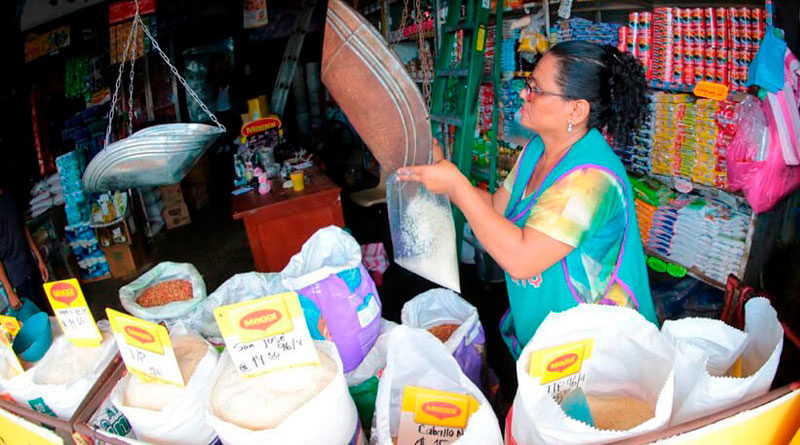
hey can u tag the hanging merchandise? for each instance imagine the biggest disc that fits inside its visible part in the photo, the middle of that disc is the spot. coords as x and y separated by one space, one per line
76 76
158 155
255 13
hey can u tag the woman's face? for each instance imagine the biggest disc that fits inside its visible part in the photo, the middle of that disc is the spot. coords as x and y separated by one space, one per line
544 110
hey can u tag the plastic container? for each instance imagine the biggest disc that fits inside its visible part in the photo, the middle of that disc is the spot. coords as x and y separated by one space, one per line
33 340
26 311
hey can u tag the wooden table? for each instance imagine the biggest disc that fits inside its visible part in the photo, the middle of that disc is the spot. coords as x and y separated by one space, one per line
279 222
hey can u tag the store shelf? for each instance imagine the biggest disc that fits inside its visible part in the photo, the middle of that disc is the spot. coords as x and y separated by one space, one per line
692 272
669 181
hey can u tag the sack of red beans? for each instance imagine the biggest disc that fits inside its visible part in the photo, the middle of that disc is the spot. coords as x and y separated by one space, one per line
166 292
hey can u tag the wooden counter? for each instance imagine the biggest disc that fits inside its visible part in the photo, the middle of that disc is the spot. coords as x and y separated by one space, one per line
279 222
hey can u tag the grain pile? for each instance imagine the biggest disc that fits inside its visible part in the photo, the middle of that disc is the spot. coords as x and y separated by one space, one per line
263 402
67 363
189 351
429 242
166 292
619 412
443 331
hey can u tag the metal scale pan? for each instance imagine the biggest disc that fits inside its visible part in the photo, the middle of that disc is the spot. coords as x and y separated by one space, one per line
371 85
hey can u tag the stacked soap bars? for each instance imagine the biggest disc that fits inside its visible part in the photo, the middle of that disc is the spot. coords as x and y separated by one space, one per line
683 46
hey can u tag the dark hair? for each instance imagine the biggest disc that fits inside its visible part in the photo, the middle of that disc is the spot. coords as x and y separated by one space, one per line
612 82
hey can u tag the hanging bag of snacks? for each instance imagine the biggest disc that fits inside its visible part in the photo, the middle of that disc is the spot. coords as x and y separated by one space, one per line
166 292
454 322
423 232
592 374
328 272
424 396
718 366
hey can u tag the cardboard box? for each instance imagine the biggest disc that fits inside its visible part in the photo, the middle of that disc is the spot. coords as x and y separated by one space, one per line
176 216
124 260
119 233
171 195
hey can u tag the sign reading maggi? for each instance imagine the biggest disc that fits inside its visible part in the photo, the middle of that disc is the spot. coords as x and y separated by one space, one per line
260 126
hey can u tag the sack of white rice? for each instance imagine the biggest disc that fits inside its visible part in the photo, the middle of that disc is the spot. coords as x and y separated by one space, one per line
423 232
615 356
165 413
299 405
60 381
718 366
415 358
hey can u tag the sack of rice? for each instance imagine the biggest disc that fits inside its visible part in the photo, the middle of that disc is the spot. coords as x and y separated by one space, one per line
455 322
236 289
329 273
299 405
423 232
363 381
718 366
168 291
165 413
416 359
60 381
618 359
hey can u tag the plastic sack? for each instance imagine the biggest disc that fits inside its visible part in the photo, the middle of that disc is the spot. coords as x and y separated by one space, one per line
467 343
181 421
417 358
624 355
423 232
702 390
363 381
58 400
329 273
766 68
236 289
330 417
163 272
763 182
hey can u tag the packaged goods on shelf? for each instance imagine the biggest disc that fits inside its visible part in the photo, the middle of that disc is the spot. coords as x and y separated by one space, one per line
683 46
581 29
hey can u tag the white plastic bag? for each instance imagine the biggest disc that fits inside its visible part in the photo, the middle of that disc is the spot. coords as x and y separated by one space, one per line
440 306
707 349
238 288
416 358
423 232
60 400
329 418
163 272
328 273
181 421
628 357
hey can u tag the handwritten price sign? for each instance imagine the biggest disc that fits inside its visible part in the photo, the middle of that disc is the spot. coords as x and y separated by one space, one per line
72 312
267 334
145 348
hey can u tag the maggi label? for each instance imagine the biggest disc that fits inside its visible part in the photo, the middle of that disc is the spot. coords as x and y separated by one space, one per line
558 362
428 414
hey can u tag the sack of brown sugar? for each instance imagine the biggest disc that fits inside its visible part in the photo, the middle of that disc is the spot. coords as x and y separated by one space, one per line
592 374
424 397
718 366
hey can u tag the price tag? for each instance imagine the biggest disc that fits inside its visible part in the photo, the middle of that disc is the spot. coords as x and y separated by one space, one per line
16 430
73 313
7 352
432 416
10 324
559 368
711 90
145 348
267 334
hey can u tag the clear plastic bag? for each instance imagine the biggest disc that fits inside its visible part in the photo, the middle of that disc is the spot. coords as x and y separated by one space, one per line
423 232
750 144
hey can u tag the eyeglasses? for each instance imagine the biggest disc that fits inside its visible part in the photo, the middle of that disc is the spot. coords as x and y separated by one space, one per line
531 89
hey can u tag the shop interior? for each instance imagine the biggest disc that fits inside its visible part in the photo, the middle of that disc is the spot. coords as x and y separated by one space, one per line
227 157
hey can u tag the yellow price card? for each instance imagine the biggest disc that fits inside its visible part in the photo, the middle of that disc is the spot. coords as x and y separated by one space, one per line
16 430
10 324
72 312
433 415
267 334
145 348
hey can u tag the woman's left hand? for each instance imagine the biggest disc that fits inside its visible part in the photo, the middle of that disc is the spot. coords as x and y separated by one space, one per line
442 177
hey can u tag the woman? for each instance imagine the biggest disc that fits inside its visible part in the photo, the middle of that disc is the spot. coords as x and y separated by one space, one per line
563 226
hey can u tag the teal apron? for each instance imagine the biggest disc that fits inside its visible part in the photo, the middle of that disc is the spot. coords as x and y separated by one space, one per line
531 300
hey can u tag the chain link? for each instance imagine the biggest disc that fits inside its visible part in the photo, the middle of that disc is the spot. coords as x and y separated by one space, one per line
138 22
424 56
403 20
